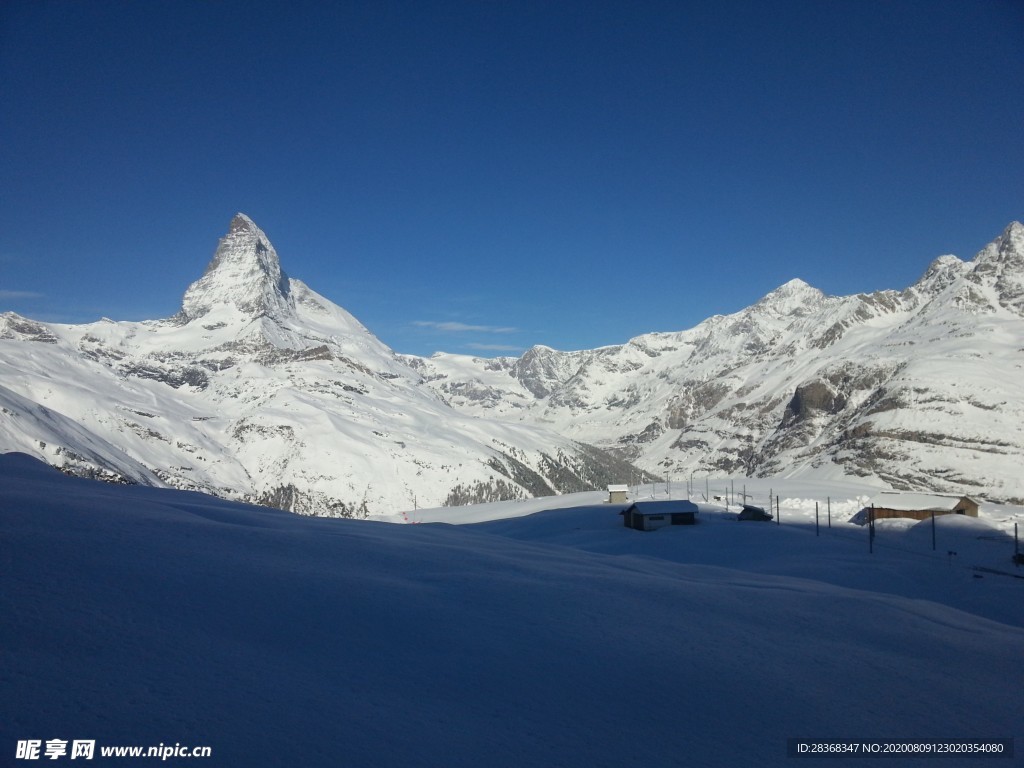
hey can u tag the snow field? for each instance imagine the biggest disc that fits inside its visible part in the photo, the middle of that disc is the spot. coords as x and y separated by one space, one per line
137 615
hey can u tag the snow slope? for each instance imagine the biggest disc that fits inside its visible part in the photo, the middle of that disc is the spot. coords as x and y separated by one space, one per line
64 442
135 615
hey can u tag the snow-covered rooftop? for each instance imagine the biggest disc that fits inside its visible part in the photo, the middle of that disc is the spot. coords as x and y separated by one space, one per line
663 506
916 501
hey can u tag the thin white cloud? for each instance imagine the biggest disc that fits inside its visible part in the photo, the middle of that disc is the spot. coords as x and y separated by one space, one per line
494 347
20 294
454 327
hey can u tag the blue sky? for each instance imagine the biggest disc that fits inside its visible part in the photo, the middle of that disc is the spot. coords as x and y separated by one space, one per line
479 177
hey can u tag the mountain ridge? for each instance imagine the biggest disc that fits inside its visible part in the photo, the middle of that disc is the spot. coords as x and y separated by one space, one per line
798 381
261 389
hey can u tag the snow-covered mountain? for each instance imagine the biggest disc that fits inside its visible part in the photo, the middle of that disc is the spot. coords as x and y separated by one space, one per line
920 388
260 389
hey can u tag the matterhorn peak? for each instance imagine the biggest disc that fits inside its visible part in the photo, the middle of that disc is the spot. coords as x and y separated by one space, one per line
242 223
244 273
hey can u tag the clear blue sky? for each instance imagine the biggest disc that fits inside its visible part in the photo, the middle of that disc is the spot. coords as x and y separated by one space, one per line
479 176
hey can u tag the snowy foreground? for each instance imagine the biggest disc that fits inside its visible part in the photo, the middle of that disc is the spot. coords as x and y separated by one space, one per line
138 616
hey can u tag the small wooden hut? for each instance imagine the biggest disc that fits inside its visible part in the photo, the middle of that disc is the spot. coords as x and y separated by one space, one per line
651 515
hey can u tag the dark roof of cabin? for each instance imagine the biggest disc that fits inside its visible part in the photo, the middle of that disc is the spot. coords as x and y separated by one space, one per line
666 507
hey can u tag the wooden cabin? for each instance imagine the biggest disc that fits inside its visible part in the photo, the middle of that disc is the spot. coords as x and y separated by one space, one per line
651 515
617 494
921 506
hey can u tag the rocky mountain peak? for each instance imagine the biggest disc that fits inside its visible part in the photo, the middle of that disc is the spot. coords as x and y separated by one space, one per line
242 223
1001 265
792 298
1006 251
245 273
941 273
542 369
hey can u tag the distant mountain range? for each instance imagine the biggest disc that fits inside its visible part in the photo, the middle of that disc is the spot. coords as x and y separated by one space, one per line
260 389
921 388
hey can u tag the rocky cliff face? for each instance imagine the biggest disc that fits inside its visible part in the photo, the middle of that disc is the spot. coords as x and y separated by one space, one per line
919 388
244 275
261 389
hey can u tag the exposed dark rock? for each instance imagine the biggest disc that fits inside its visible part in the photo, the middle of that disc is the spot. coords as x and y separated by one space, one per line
187 376
810 399
17 327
